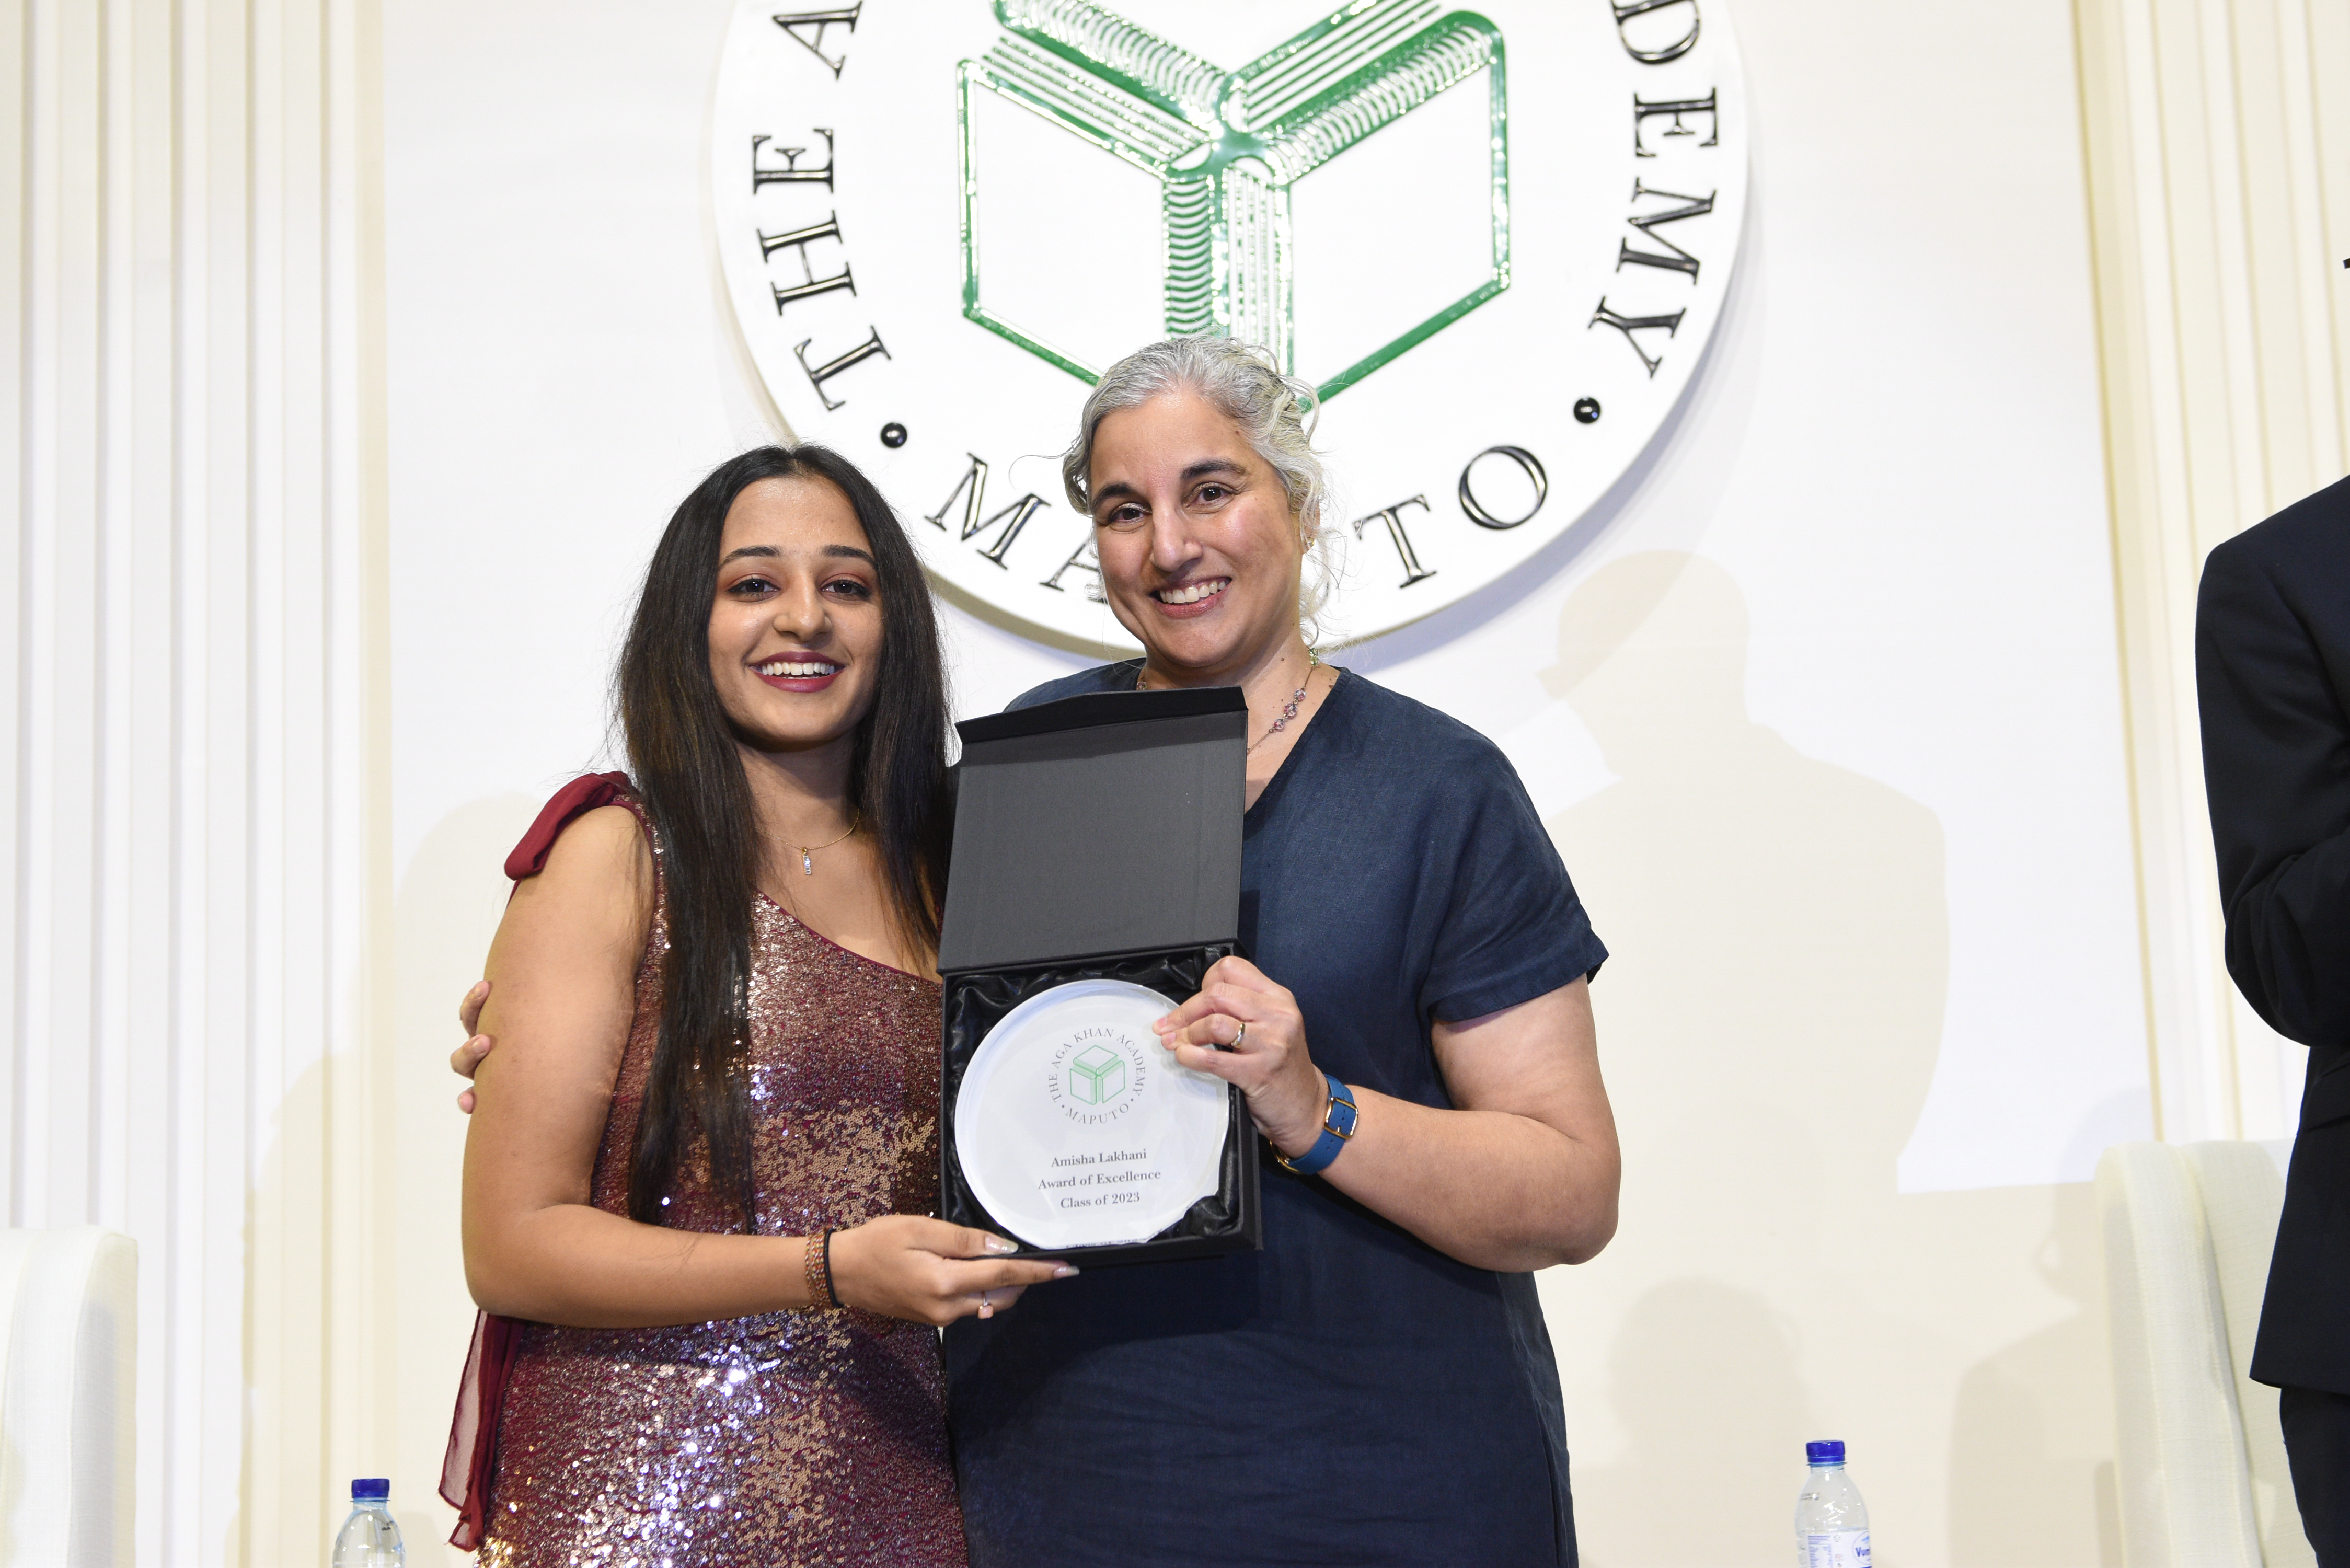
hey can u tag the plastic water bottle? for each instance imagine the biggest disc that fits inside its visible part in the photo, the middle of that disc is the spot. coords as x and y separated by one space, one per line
371 1536
1831 1521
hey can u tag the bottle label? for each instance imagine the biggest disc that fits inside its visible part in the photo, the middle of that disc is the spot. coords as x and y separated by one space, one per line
1836 1549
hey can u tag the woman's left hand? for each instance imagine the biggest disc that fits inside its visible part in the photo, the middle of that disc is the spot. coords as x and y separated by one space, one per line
1247 1030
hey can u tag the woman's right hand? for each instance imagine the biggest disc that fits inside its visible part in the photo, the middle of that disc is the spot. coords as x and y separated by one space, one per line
927 1271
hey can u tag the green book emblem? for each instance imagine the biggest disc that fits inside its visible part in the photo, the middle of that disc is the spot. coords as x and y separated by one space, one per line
1097 1075
1227 147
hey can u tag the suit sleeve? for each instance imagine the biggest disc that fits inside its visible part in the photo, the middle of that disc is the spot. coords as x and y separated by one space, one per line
2276 770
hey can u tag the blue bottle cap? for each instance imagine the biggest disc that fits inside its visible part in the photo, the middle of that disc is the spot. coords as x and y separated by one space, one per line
1827 1453
372 1488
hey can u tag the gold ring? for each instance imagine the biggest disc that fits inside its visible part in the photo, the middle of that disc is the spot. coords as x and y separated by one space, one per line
1238 1036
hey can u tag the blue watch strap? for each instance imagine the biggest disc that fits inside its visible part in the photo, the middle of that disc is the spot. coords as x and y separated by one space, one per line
1337 1126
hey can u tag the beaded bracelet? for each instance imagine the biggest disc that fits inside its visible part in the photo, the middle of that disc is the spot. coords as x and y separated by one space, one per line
815 1264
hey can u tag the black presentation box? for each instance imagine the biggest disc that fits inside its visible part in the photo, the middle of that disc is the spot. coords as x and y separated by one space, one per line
1098 837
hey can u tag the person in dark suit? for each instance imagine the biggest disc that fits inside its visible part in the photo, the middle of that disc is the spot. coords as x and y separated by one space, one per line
2273 673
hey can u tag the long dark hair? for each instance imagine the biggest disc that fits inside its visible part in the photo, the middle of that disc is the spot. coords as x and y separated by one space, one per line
683 757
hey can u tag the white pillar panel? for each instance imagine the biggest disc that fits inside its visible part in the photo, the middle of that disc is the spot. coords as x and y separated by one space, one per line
182 692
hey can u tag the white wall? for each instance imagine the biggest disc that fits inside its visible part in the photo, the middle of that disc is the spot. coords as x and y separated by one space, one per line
1822 710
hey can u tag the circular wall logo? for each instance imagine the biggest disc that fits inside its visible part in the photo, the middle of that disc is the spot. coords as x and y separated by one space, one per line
1496 241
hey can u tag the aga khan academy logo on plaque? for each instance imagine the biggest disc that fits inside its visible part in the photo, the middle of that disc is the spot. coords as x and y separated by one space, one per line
1497 242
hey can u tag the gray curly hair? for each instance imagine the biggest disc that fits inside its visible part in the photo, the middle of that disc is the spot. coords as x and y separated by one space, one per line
1243 382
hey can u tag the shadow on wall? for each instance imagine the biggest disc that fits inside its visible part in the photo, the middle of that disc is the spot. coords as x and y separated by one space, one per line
445 911
1781 921
2004 1432
1771 1021
1704 1381
284 1305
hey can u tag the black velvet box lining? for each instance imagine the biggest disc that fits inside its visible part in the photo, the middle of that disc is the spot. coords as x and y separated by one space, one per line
1223 1221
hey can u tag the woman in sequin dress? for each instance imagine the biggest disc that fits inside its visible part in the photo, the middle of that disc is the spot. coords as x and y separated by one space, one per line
711 1122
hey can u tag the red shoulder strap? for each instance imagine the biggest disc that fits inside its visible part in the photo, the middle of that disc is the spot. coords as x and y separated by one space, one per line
575 799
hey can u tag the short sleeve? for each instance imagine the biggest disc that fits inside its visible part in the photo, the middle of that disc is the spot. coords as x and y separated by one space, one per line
573 801
1511 927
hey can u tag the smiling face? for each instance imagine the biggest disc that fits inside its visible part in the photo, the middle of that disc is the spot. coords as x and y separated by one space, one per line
1199 554
796 624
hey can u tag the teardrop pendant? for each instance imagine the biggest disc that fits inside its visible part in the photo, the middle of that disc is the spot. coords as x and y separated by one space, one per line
808 863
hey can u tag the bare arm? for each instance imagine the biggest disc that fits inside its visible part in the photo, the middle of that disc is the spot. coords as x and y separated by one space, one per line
563 970
1523 1174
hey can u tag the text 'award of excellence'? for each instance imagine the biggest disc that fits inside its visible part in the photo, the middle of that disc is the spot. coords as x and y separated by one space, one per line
1096 878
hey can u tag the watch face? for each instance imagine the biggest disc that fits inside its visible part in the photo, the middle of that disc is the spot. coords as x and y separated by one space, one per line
1497 242
1076 1128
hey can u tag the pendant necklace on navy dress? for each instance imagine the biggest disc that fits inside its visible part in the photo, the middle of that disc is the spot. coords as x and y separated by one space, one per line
1288 709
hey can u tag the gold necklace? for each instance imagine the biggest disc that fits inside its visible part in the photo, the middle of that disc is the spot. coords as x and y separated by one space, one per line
1288 709
807 851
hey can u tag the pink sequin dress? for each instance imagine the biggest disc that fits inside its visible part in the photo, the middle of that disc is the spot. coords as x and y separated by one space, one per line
793 1438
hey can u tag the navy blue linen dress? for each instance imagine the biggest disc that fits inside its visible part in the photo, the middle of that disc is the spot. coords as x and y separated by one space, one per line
1347 1395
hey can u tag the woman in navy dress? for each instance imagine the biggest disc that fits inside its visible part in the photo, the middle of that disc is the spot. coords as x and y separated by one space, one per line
1377 1384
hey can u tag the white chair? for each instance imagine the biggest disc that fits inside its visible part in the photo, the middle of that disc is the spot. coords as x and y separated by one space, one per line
2201 1465
68 1317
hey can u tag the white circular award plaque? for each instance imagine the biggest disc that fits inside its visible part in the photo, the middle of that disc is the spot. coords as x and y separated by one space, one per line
1075 1127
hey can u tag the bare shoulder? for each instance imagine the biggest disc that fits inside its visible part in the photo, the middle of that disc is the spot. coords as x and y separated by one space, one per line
563 967
596 884
601 842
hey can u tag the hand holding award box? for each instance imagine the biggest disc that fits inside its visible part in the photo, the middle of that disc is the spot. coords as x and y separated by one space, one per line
1094 880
